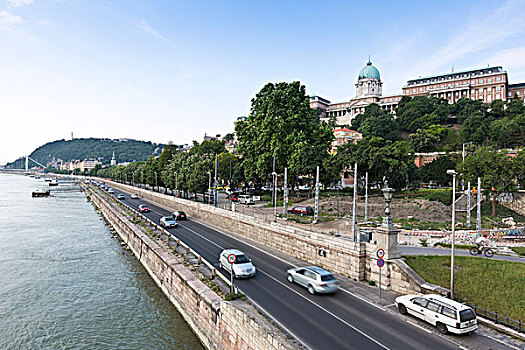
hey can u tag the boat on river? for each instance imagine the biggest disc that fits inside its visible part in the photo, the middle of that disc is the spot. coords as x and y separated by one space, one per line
53 183
41 193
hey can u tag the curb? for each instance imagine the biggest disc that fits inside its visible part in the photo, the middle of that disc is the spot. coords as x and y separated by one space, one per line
501 328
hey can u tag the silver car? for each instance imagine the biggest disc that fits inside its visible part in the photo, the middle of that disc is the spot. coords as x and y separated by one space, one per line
316 279
168 222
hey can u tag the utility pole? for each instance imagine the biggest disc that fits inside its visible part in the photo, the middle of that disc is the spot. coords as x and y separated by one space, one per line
453 234
285 192
316 213
215 183
478 219
366 197
273 189
468 204
354 211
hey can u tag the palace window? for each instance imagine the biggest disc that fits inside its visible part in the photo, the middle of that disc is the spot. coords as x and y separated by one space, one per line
481 81
497 88
489 80
498 79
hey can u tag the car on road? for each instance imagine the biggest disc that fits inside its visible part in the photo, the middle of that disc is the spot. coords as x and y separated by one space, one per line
444 313
242 267
134 196
315 279
179 215
246 199
143 208
301 210
168 222
121 196
233 197
111 190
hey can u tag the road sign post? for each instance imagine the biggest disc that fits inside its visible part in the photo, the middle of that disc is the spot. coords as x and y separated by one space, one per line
231 260
380 263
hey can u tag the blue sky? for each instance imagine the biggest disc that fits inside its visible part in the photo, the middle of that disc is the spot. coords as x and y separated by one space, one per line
174 70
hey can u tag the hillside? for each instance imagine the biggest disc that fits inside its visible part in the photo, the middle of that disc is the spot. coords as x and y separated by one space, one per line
92 148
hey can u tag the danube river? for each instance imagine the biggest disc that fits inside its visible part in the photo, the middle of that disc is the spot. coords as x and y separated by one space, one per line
66 283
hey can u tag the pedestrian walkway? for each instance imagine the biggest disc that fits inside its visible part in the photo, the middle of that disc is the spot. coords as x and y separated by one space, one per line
409 250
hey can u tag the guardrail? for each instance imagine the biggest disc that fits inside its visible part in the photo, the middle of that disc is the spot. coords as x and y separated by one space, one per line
495 317
178 242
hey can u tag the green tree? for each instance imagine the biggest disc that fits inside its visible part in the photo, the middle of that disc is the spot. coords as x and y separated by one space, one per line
476 129
508 132
375 122
496 170
465 108
423 141
436 171
515 107
282 124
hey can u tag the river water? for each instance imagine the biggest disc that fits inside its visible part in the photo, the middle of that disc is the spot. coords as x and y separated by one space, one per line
66 283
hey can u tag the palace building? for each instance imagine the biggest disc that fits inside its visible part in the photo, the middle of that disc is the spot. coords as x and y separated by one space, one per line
484 84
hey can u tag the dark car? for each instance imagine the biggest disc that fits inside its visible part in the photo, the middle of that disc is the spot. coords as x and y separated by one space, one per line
301 210
121 196
179 215
143 208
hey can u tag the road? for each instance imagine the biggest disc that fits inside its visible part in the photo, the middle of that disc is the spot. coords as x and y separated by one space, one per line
409 250
339 321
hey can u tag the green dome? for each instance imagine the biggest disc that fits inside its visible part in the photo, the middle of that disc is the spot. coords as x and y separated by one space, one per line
369 71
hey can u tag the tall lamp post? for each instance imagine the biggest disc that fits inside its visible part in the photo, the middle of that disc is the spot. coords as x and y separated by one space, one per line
463 163
274 174
142 179
388 193
133 179
176 178
156 181
209 187
453 173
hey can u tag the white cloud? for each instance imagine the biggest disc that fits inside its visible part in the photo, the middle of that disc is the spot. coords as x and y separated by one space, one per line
148 29
7 20
18 3
509 58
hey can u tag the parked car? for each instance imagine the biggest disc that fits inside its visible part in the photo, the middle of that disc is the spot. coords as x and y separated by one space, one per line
121 196
143 208
315 279
134 196
179 215
444 313
242 267
301 210
233 197
168 222
246 199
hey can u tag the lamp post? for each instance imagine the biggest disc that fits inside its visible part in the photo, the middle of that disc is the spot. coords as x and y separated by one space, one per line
133 179
209 187
388 193
176 178
142 178
453 234
156 181
274 174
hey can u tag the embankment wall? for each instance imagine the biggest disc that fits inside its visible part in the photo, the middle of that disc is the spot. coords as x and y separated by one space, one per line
219 324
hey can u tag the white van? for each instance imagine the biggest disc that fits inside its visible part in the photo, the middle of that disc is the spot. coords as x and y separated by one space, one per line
444 313
246 199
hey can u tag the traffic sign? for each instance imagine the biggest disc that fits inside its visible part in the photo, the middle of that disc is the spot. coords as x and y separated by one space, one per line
380 253
380 262
232 258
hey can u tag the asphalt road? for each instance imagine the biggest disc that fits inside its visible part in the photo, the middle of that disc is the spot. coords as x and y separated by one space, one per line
338 321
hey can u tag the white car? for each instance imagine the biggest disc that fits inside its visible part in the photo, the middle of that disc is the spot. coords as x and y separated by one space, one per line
444 313
168 222
111 190
246 199
242 267
134 196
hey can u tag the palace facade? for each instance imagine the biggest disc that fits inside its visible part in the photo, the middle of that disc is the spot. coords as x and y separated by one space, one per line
484 84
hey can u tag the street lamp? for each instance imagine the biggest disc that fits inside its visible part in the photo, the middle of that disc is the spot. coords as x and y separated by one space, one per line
388 193
156 181
133 179
274 174
209 187
176 178
453 173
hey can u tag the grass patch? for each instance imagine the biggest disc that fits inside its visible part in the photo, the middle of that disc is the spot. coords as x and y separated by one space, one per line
496 285
501 212
519 250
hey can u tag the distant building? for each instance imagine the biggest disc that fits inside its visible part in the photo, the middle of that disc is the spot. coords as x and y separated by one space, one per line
483 84
113 160
344 136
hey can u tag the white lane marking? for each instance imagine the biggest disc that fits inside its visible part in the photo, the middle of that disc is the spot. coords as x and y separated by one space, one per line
500 341
279 323
285 261
327 311
418 326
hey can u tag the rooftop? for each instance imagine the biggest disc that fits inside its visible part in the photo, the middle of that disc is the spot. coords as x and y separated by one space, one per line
484 70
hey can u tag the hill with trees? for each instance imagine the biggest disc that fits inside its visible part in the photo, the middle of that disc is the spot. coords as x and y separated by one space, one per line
126 150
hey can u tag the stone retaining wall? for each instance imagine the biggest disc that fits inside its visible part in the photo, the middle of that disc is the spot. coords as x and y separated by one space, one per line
219 324
518 202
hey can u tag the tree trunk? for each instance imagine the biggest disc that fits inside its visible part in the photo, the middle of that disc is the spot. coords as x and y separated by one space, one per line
494 206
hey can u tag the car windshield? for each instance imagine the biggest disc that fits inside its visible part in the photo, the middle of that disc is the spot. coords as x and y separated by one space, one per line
168 218
180 213
327 278
241 259
466 315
